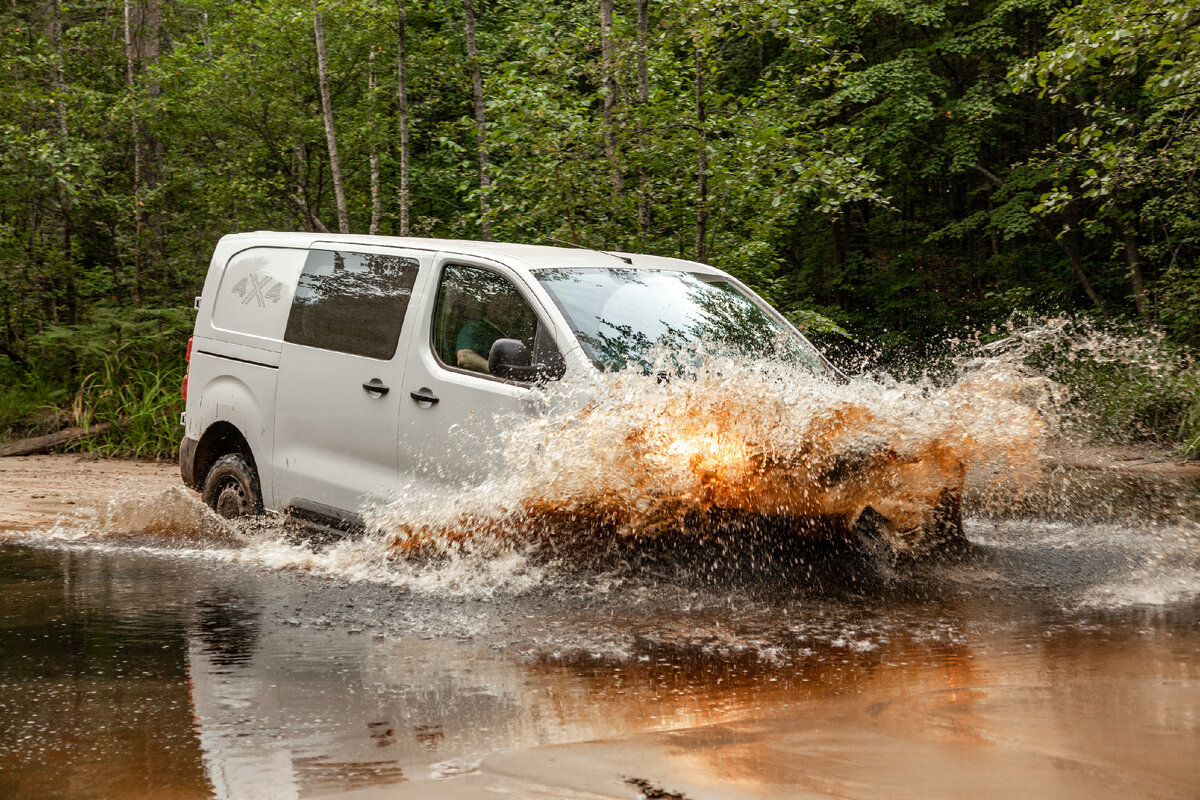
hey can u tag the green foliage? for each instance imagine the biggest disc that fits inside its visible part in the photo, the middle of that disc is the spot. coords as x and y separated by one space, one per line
121 367
896 170
1125 168
132 337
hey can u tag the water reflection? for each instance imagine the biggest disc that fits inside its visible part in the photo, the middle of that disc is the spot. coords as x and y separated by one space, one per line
93 684
241 683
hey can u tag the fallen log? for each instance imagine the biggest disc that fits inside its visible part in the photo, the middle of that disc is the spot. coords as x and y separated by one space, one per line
40 444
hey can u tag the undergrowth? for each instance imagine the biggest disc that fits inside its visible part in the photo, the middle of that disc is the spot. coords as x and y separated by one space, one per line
124 367
143 402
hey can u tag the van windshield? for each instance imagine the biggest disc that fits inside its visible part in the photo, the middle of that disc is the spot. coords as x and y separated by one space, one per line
620 314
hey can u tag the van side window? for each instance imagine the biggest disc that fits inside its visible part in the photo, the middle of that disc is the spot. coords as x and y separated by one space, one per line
475 307
351 302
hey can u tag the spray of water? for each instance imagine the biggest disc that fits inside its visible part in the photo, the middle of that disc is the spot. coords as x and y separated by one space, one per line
632 453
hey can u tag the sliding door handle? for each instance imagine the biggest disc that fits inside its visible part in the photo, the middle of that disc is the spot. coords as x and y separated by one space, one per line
375 388
424 397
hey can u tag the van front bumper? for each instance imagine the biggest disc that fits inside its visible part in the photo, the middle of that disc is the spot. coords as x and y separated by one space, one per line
187 461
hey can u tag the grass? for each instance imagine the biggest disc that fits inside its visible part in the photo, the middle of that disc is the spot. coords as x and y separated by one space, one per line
119 366
1189 427
142 400
144 403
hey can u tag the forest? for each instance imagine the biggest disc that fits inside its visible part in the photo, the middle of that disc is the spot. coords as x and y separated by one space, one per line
890 174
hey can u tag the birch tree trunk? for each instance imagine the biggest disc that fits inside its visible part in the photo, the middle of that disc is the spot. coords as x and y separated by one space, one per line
701 162
65 199
402 108
148 48
609 82
372 87
643 99
135 135
335 167
58 75
485 179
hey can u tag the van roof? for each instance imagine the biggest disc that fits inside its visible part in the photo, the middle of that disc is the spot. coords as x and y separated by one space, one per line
530 256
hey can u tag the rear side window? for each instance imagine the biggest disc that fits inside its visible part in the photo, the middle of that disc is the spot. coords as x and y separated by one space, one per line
351 302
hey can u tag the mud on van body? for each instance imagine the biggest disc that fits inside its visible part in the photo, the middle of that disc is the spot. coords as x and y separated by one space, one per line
324 369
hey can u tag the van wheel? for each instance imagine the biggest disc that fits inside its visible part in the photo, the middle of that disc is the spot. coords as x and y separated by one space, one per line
231 487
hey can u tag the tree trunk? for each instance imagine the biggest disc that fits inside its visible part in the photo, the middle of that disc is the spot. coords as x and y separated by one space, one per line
1071 248
65 200
643 99
335 167
402 103
838 237
58 77
485 179
701 163
373 154
41 444
1133 260
135 135
609 84
148 44
300 197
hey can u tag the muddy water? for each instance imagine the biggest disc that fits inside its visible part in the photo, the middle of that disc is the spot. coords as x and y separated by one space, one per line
146 652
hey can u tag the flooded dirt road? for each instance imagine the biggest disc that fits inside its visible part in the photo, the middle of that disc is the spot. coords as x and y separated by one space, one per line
148 651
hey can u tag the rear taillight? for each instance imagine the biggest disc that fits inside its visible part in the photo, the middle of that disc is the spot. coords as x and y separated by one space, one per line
187 357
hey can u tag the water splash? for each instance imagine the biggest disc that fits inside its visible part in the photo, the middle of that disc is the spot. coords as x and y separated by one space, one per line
637 455
173 514
1127 384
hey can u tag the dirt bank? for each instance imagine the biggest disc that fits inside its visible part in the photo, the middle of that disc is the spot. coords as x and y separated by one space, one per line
36 489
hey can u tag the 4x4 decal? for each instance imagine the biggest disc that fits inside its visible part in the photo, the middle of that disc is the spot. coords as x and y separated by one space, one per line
251 288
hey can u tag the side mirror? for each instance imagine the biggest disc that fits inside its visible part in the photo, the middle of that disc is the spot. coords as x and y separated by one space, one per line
509 359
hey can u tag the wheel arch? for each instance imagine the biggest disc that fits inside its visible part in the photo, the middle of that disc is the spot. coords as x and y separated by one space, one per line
219 439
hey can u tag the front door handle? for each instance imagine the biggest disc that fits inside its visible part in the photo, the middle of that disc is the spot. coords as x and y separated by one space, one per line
424 397
375 388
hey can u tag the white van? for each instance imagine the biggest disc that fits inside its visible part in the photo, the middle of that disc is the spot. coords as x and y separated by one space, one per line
324 369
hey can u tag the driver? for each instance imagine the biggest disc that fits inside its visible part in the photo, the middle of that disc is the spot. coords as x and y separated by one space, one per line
475 339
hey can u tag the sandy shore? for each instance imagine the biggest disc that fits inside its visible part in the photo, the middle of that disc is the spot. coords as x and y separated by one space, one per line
36 489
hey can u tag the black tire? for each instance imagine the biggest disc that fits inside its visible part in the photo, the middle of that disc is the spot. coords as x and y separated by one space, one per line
948 536
231 487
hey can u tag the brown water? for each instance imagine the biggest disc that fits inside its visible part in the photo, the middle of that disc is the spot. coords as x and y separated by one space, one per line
638 454
1060 661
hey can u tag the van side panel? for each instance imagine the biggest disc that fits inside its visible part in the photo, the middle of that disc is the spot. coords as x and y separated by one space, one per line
237 392
248 294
